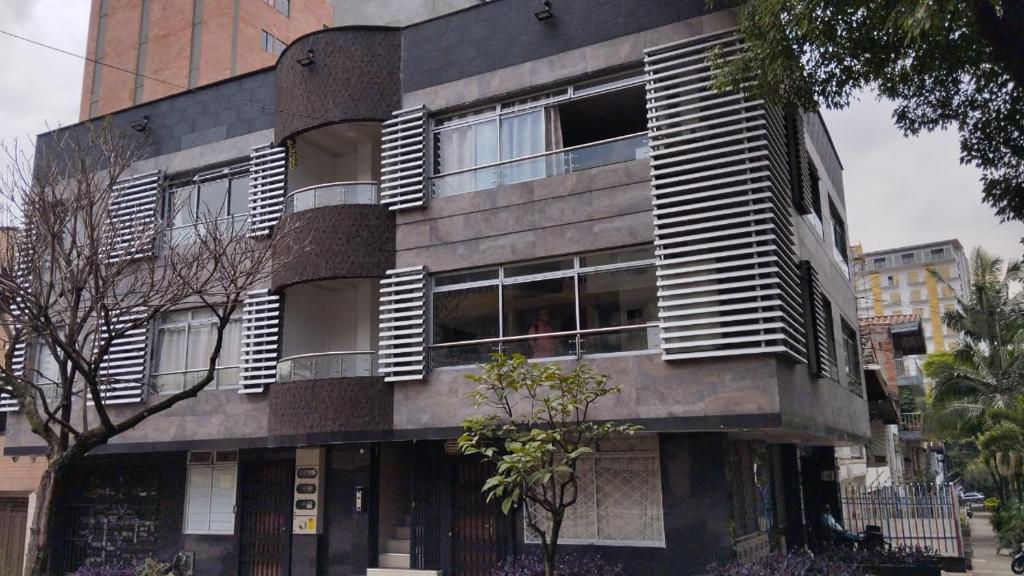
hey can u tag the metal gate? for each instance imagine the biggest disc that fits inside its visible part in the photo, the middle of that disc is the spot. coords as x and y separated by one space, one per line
13 517
910 515
481 535
264 547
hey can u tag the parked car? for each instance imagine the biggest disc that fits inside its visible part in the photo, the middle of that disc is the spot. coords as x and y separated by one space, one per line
972 499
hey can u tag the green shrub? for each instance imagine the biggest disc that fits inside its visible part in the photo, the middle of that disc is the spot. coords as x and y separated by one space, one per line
991 504
1008 522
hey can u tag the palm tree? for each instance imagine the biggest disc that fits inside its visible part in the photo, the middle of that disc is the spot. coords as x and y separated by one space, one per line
987 368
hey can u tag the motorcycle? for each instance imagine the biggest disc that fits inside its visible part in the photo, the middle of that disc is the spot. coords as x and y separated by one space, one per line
1017 564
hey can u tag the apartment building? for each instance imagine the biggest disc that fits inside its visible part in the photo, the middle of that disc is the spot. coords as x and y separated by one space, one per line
923 279
896 342
553 180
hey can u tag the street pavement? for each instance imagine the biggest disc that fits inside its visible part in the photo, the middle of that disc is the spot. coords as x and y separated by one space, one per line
987 560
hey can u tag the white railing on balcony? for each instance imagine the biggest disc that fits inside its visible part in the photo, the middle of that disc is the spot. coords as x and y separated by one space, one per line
912 421
327 365
332 194
542 165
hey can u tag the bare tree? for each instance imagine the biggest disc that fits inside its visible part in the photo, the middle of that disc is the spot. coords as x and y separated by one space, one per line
82 273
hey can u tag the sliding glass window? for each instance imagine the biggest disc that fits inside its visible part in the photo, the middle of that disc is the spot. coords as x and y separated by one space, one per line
597 303
576 128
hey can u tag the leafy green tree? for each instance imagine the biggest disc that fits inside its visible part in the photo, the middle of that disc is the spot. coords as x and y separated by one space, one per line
944 63
536 425
987 368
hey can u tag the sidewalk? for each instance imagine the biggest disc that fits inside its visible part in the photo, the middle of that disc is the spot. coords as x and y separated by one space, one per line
986 560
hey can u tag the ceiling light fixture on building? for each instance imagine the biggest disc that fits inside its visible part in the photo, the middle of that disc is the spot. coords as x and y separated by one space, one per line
142 125
545 12
306 60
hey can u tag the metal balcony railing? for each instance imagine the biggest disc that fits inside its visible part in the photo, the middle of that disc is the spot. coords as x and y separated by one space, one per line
332 194
552 345
912 421
327 365
542 165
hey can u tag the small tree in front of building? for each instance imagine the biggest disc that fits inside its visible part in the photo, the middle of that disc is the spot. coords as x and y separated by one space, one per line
536 423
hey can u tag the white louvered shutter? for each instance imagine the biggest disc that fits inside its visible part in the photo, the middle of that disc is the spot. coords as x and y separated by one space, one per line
261 328
268 174
123 370
799 170
22 272
402 314
9 403
728 278
133 215
402 172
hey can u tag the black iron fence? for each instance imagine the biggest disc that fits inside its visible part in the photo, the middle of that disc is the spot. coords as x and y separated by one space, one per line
909 515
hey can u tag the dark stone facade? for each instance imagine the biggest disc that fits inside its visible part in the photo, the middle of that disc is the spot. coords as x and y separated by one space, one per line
356 76
228 109
348 241
320 409
501 34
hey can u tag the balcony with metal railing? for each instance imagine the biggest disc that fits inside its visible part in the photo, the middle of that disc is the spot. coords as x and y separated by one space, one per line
331 194
542 165
327 366
910 374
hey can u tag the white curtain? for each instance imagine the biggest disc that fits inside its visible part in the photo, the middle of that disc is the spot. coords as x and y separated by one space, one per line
522 135
171 349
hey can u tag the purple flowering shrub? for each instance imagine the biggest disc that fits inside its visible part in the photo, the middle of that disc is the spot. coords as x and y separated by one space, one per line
781 564
567 564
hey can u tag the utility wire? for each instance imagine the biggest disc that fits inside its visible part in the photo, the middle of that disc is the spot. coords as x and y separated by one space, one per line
160 80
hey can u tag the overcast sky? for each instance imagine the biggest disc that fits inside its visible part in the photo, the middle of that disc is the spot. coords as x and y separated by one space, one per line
898 190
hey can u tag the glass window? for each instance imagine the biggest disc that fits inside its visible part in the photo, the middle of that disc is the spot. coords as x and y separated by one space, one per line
852 349
938 253
506 143
465 315
184 342
878 263
213 199
537 308
222 195
619 298
907 258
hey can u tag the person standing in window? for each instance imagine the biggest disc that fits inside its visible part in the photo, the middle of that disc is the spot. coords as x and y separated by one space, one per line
542 347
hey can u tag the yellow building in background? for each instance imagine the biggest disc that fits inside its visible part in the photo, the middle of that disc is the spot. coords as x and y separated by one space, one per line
923 279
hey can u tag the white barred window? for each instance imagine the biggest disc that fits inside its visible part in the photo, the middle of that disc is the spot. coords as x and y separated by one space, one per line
619 500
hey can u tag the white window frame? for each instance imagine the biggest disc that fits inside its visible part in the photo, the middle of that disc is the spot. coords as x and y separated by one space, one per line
194 184
159 326
531 538
215 464
575 272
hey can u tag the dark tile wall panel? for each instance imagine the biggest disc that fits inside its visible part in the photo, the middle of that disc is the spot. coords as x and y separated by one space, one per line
356 76
315 407
217 112
506 33
349 241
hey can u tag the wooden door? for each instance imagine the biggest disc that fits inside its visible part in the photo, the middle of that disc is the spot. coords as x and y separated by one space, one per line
265 534
13 518
481 535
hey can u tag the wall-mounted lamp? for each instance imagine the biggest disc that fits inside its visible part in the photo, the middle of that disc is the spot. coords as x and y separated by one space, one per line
545 12
141 125
306 60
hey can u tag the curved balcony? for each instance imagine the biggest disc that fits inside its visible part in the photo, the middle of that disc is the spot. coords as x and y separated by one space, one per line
332 194
327 366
